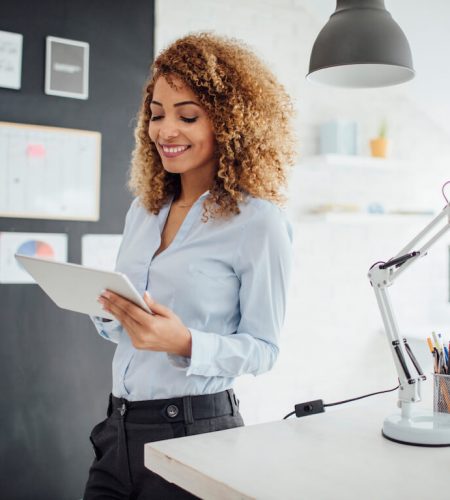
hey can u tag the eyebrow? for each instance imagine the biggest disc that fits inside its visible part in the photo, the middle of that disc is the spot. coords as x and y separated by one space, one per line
182 103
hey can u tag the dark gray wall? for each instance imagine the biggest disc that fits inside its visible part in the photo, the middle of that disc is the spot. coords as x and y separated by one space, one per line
55 370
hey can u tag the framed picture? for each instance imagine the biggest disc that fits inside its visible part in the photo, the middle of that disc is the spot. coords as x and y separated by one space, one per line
49 172
10 59
67 68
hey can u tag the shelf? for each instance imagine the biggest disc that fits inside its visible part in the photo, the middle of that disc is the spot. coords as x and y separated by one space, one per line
352 161
363 217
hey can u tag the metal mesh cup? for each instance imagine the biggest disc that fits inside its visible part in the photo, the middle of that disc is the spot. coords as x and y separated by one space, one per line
441 399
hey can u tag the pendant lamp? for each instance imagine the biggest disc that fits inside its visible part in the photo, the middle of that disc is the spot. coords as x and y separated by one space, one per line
361 46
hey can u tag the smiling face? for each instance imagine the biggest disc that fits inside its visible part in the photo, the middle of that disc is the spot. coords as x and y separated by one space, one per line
181 129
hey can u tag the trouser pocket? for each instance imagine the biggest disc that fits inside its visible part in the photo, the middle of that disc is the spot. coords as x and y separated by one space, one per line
94 438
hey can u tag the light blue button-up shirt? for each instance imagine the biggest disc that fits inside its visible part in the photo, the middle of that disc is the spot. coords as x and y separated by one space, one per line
226 279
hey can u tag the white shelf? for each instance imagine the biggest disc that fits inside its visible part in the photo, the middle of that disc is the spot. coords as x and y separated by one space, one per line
352 161
363 217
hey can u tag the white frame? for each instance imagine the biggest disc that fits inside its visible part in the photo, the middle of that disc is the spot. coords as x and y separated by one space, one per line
48 62
17 39
95 215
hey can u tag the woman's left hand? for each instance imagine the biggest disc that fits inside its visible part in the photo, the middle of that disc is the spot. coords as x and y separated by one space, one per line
161 331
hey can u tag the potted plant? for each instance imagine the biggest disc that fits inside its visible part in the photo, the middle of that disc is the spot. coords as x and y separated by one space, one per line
379 146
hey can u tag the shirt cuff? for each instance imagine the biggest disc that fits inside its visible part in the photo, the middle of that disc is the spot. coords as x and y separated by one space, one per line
204 351
107 329
204 346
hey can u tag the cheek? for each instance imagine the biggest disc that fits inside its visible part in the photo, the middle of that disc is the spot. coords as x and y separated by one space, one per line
152 132
208 143
212 145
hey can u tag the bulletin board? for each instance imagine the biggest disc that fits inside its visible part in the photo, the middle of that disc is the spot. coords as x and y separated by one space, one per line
49 172
55 369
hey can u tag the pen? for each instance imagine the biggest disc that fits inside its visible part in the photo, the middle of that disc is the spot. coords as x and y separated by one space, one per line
448 358
441 341
436 341
436 360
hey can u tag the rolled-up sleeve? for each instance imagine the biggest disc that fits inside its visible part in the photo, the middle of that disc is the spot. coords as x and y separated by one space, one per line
262 262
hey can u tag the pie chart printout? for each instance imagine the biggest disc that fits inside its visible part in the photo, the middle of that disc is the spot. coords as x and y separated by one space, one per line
47 246
36 248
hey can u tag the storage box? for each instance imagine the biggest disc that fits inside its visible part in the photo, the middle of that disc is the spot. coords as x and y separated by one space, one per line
339 137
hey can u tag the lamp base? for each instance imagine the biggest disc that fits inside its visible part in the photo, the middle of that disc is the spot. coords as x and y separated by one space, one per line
424 428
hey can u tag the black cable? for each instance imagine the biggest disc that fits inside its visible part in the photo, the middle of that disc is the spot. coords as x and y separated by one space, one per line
379 262
398 261
362 397
312 407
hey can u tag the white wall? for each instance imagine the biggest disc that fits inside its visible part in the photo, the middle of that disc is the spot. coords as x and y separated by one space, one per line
332 344
426 26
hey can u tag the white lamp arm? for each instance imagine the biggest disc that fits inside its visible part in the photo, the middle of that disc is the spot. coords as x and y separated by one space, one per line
444 213
382 275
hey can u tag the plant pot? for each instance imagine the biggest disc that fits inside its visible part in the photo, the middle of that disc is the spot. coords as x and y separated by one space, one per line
379 147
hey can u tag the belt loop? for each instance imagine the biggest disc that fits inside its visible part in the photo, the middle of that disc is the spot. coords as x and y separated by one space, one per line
187 410
234 407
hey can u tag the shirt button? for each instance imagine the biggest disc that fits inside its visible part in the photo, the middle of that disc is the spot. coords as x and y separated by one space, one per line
172 411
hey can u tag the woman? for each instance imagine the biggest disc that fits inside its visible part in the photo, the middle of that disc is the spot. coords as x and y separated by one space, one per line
208 247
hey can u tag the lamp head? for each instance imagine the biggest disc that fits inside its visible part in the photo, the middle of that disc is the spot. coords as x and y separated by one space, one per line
361 46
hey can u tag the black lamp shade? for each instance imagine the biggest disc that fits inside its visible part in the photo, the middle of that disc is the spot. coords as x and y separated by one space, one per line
361 46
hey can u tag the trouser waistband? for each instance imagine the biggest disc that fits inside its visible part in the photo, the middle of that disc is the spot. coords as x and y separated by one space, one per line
181 409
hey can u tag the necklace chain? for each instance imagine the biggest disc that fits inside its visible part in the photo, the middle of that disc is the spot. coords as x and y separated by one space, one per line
185 205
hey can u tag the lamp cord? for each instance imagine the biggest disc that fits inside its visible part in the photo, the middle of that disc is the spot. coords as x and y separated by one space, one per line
362 397
349 400
372 393
443 191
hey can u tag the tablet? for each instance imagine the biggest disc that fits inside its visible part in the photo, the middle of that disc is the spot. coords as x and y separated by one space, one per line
76 287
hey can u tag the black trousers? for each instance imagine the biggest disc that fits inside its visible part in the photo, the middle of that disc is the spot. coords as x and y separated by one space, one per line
118 470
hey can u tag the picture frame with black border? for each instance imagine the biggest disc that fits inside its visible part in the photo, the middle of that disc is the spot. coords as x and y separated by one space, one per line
67 68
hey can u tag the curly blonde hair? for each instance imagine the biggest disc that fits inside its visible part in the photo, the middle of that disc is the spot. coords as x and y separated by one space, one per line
251 116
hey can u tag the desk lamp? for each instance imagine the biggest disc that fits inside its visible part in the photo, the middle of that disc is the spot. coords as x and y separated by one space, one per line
409 426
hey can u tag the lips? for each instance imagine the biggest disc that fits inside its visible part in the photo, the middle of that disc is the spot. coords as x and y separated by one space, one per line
173 150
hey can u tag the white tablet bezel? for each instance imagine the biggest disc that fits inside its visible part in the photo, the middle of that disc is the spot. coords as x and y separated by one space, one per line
76 287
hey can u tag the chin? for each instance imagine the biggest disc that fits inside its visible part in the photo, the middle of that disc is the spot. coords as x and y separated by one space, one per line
174 169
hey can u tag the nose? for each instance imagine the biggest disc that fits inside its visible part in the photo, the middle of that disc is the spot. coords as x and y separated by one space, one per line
168 130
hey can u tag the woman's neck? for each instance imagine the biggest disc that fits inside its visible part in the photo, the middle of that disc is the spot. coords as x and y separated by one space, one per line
192 187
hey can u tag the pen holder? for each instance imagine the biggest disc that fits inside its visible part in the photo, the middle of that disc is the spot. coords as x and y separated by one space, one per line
441 399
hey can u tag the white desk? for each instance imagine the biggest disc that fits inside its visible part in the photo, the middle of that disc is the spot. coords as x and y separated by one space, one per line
338 454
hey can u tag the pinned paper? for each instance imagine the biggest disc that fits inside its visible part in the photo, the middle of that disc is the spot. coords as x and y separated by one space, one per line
42 245
70 159
10 60
100 250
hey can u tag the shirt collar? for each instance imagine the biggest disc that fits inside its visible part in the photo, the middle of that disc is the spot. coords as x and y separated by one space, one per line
201 197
